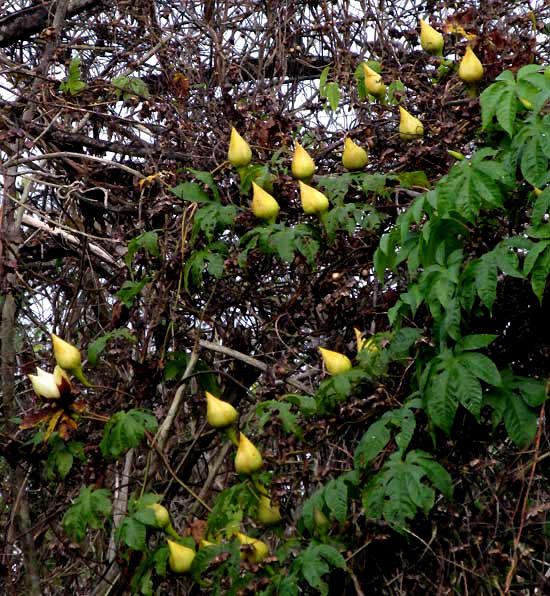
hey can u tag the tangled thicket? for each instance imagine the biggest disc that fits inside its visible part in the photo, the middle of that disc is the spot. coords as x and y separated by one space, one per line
114 236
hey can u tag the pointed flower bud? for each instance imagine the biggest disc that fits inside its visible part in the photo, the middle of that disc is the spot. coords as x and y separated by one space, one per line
409 127
354 157
335 362
264 206
360 340
180 557
257 553
248 458
373 82
470 69
430 39
162 517
66 355
302 165
313 201
239 153
267 513
219 413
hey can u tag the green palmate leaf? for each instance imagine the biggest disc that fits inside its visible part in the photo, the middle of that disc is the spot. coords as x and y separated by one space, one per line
212 218
133 533
73 83
125 430
89 510
520 420
97 347
229 507
210 260
437 474
61 456
130 86
397 492
266 410
316 561
335 187
191 191
206 178
148 241
404 419
130 290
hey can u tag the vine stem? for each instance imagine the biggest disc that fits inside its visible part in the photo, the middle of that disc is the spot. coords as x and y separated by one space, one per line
517 537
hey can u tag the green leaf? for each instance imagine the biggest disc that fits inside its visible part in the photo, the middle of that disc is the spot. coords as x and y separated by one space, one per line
125 430
441 400
475 342
333 95
437 474
539 274
371 444
314 565
89 510
130 290
147 241
466 388
481 366
486 280
266 410
133 533
73 83
213 218
191 191
323 81
97 347
336 498
206 178
534 163
520 421
129 86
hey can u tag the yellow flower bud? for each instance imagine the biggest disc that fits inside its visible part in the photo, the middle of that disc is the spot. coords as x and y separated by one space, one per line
302 165
354 157
264 206
257 553
180 557
313 201
409 127
430 39
162 516
268 513
335 363
470 69
373 82
203 543
66 355
219 413
239 153
320 520
248 458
